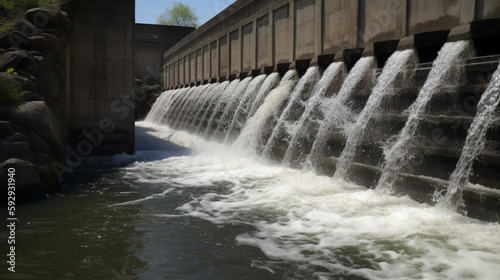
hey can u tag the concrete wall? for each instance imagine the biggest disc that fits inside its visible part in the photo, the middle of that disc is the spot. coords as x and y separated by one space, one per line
257 34
151 41
101 76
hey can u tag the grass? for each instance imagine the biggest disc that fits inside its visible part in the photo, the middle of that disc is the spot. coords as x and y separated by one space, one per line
11 11
10 92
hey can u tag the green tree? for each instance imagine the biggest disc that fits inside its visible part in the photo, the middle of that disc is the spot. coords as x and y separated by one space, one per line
180 15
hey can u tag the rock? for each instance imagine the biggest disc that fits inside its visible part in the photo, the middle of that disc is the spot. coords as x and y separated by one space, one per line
44 17
39 118
5 129
28 181
23 82
13 149
27 28
38 143
44 42
14 39
27 96
9 60
61 34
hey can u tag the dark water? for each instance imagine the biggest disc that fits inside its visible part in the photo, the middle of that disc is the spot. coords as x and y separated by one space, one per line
76 233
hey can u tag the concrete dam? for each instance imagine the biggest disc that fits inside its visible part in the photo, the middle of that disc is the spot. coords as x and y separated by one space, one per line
400 96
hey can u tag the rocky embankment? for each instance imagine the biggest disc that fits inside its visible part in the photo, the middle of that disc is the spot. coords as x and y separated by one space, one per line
33 102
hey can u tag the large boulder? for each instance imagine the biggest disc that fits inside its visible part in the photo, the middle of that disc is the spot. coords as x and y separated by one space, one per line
23 82
9 60
45 42
36 116
27 179
45 17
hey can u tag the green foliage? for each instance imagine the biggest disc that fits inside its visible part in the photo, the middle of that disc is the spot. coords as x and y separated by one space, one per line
10 92
180 15
6 26
11 71
6 5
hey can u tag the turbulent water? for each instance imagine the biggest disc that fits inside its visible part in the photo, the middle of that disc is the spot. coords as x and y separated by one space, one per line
474 144
184 208
385 86
397 154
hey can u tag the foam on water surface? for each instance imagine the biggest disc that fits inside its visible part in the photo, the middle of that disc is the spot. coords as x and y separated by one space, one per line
327 227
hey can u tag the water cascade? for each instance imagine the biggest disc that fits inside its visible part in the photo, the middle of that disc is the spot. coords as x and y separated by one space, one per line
397 63
361 128
398 153
283 128
226 97
271 82
241 111
184 108
177 112
251 136
188 116
161 106
206 106
179 94
309 119
337 115
474 144
224 121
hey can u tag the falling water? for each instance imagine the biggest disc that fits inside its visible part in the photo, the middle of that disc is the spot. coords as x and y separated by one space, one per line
305 84
178 109
474 144
196 104
175 101
220 104
246 101
162 104
320 89
250 136
208 102
336 112
270 83
225 120
385 87
185 109
396 155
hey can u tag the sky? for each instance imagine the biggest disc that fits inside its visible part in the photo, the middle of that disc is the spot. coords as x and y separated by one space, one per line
146 11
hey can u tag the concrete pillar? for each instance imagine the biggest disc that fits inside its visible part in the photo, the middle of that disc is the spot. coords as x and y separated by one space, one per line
101 76
223 57
384 20
490 9
214 60
282 35
340 25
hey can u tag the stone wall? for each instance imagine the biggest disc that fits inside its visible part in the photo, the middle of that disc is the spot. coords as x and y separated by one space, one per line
257 35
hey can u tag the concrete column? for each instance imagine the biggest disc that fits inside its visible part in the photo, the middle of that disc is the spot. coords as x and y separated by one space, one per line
318 34
214 60
101 75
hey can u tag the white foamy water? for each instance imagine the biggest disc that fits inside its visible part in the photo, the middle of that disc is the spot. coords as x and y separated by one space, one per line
385 86
250 136
474 144
329 229
396 156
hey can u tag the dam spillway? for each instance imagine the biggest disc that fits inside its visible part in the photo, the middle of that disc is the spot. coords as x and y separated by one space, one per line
426 104
394 115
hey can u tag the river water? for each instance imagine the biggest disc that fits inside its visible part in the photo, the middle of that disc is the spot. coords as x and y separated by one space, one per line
184 208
